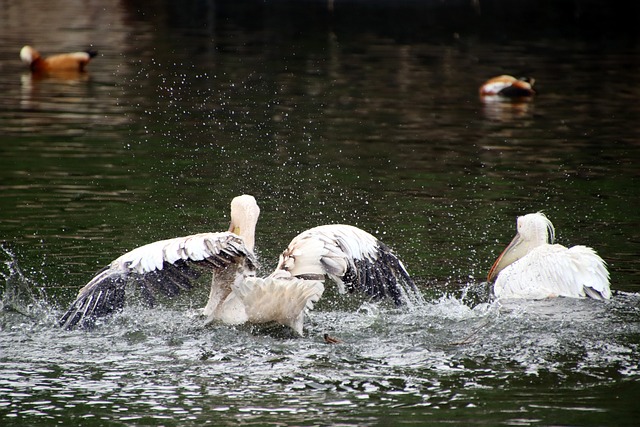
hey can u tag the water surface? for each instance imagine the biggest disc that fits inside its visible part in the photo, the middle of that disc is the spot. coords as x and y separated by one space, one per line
367 115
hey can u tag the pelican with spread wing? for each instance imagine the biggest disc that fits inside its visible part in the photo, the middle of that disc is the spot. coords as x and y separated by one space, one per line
351 258
533 267
171 266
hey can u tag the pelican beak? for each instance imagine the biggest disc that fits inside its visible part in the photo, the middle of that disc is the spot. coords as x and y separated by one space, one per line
235 229
513 252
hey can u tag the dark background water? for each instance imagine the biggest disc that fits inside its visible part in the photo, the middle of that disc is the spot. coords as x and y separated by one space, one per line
357 112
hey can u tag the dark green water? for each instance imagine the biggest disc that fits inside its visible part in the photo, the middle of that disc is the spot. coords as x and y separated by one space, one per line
367 115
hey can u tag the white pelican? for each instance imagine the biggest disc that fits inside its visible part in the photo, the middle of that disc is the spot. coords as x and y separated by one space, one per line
236 295
350 257
76 61
167 266
533 267
508 87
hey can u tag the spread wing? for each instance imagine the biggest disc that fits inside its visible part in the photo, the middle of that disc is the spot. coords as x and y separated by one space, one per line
166 267
352 258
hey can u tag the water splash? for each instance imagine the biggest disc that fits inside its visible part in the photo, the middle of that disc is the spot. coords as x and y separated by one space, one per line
453 351
20 293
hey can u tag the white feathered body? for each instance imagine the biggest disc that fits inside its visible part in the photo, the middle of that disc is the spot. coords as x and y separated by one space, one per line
533 267
284 301
554 270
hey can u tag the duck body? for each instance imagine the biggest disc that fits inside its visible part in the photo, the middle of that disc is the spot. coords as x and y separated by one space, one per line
506 86
65 62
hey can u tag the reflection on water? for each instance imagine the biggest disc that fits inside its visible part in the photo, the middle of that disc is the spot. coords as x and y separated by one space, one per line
325 116
506 110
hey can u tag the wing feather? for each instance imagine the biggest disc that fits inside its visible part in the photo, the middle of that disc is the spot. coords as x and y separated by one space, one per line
354 259
591 272
102 295
168 267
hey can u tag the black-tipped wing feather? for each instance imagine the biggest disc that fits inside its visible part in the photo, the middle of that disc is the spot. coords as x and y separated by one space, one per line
352 258
103 295
172 279
167 267
381 277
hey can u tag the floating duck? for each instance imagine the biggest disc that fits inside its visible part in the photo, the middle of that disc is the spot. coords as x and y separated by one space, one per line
237 296
508 87
533 267
76 61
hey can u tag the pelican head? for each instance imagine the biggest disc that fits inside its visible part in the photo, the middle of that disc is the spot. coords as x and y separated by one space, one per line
533 230
28 54
244 217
